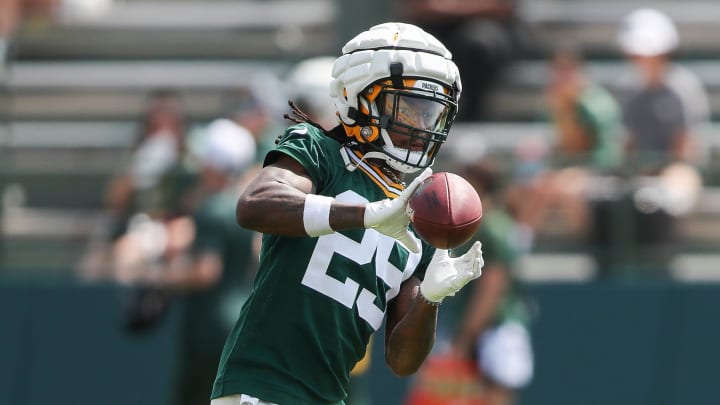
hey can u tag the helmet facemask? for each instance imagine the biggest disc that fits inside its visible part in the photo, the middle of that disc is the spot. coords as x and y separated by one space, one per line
406 124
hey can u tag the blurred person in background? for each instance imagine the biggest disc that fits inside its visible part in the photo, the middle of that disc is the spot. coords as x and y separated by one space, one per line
152 185
586 116
649 39
661 111
146 254
484 36
338 258
157 152
202 261
484 350
589 146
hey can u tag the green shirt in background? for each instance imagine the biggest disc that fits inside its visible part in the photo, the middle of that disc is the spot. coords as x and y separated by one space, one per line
601 117
502 245
217 232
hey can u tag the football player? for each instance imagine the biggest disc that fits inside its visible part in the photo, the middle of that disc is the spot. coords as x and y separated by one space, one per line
338 257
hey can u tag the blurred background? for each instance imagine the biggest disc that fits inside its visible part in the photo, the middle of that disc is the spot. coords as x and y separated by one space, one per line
121 121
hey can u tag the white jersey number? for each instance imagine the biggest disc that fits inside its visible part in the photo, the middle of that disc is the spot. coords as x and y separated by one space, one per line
348 292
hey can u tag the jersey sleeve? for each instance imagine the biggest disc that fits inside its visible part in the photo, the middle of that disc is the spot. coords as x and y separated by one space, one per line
310 148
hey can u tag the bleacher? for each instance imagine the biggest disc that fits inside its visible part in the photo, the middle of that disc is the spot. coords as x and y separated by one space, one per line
218 29
77 87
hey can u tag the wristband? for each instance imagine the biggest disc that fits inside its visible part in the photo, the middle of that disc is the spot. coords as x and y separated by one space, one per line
316 215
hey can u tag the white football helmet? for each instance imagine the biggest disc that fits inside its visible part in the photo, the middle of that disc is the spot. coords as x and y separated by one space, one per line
396 79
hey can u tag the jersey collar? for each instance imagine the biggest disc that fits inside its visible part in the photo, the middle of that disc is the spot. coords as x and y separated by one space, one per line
353 160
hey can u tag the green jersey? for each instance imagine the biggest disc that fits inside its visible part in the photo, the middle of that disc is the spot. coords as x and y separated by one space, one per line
600 116
316 301
498 234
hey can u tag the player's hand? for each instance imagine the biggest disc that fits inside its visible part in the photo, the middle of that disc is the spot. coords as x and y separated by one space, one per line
447 275
390 218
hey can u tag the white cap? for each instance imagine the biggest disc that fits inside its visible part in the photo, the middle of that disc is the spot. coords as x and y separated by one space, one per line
647 32
226 146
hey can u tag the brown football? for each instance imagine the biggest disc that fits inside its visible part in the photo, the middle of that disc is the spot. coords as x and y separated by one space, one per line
445 210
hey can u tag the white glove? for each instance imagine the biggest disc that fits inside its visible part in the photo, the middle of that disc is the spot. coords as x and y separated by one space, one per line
447 275
389 216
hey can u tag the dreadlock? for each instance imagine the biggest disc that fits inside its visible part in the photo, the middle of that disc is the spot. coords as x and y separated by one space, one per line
299 116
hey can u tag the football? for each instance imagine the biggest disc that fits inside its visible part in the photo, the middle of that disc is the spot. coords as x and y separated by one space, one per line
445 210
